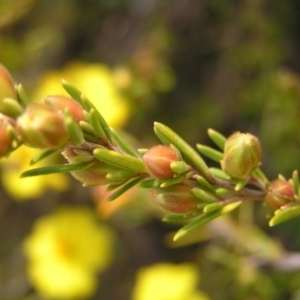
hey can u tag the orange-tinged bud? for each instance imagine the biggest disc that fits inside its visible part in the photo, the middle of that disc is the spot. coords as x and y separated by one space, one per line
6 137
95 175
280 193
176 199
242 154
61 103
42 126
158 160
7 89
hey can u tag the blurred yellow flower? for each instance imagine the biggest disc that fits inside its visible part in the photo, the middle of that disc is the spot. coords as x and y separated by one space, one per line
65 251
96 82
31 187
166 281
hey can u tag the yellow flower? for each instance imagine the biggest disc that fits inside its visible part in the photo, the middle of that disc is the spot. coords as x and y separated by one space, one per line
65 251
31 187
96 82
166 281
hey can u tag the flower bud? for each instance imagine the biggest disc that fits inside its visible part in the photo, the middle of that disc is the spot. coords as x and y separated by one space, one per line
158 160
7 90
42 126
280 193
242 153
6 137
92 176
61 103
176 199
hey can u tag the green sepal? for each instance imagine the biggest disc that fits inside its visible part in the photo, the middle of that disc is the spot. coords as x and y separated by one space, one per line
218 138
102 121
167 134
219 173
295 183
209 152
284 215
211 207
203 196
56 169
205 218
204 184
127 186
73 92
94 115
73 128
42 155
12 106
122 144
22 95
120 160
179 167
177 218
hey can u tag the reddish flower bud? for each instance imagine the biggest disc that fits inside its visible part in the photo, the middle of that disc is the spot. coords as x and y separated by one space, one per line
42 126
6 138
176 199
61 103
158 160
95 175
280 193
242 153
7 90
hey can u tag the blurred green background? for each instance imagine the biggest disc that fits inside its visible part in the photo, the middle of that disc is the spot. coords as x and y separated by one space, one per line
192 65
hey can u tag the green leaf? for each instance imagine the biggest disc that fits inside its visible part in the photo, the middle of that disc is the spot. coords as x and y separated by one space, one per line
203 196
164 132
56 169
284 215
42 155
179 167
203 219
218 138
22 96
210 152
72 91
73 128
119 160
120 175
171 181
259 174
104 125
211 207
205 185
148 183
219 173
177 218
295 181
127 186
94 115
125 147
12 106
